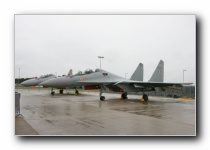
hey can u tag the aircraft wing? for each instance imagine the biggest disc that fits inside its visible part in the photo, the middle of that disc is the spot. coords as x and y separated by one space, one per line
153 84
137 83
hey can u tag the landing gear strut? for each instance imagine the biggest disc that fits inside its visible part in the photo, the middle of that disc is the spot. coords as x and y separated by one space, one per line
145 97
52 92
61 91
102 98
76 92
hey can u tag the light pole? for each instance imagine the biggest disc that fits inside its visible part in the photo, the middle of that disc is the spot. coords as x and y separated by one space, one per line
125 74
100 60
183 75
19 77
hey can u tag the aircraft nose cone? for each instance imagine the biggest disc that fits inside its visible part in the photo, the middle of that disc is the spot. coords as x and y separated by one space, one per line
30 82
25 83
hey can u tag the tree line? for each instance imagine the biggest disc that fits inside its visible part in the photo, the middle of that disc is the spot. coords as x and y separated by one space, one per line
20 80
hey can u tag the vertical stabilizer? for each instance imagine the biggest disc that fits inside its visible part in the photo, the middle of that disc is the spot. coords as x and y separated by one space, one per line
70 72
138 74
158 75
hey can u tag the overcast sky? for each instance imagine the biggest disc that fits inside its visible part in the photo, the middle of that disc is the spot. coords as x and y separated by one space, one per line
55 43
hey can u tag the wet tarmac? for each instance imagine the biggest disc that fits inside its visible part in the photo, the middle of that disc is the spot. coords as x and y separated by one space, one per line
68 114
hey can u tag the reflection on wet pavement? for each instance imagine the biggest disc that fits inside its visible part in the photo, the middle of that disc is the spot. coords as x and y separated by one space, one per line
85 114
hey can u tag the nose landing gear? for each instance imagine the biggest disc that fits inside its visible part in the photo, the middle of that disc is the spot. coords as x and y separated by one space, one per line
52 92
76 92
102 98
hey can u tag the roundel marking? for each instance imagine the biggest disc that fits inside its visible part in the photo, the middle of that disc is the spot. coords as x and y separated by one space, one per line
81 78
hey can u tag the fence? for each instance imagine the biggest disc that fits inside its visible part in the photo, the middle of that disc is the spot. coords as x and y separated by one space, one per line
17 103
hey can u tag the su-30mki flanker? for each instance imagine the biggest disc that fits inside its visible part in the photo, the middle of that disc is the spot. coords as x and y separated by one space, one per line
102 79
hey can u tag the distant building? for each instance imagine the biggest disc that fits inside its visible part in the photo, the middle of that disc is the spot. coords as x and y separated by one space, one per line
188 91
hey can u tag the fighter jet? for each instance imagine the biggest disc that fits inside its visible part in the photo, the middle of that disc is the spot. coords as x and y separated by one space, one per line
101 79
36 81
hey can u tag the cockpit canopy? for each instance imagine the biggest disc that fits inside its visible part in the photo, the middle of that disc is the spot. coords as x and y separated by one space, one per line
87 71
45 76
79 72
97 70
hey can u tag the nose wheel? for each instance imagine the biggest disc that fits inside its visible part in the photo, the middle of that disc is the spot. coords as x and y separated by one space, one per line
52 92
102 98
76 92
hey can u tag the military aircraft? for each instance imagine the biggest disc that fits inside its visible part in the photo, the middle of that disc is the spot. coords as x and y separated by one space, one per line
101 79
36 81
137 75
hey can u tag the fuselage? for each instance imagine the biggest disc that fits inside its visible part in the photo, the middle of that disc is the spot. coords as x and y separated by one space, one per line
78 80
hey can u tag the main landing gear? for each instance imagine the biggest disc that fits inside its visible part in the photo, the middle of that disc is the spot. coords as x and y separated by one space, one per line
53 92
76 92
61 91
145 97
124 95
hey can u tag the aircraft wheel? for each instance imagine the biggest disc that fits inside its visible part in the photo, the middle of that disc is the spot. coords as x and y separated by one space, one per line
102 98
52 93
145 97
61 91
76 92
124 95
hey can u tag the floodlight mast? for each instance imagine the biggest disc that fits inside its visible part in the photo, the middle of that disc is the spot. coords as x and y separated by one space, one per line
183 75
19 77
125 75
100 57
